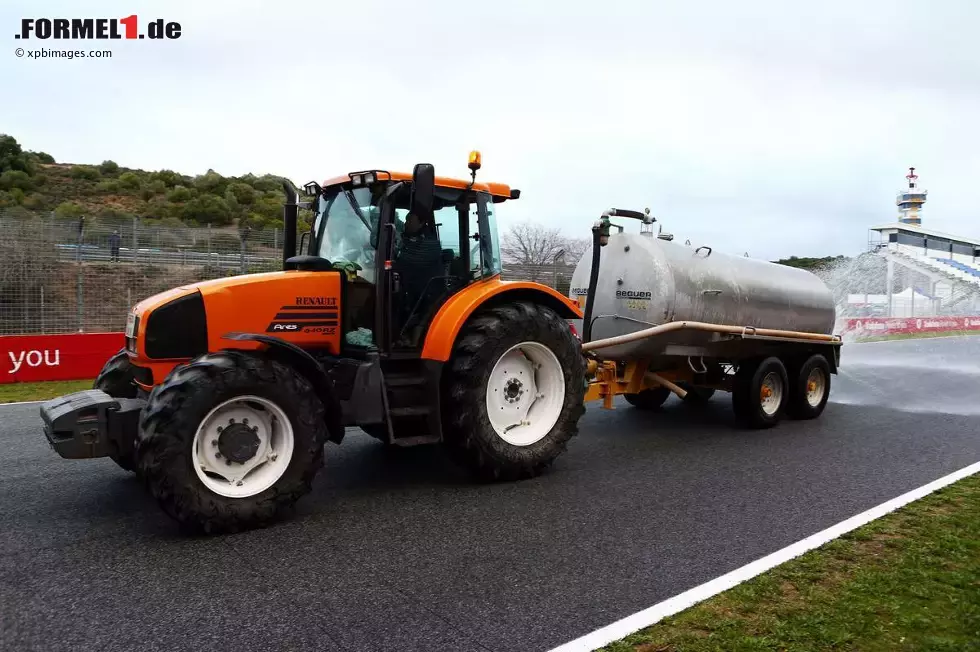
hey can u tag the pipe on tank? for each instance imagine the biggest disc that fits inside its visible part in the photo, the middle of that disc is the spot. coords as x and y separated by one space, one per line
666 383
702 326
597 244
289 211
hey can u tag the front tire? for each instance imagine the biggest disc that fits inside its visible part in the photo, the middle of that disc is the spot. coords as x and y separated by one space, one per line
230 441
117 379
514 392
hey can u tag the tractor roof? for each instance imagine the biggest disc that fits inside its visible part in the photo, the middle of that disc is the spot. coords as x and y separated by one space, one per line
499 191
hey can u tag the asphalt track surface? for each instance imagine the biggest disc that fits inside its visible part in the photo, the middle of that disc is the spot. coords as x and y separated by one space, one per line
402 553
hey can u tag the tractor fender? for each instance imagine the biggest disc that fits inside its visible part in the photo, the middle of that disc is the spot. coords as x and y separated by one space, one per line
289 354
451 317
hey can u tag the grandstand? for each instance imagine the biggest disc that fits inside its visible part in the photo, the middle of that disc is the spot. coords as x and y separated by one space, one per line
940 270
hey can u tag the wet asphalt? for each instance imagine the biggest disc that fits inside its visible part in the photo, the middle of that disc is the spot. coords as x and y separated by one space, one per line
400 552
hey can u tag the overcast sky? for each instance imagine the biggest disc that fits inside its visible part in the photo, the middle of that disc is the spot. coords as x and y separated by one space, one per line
748 126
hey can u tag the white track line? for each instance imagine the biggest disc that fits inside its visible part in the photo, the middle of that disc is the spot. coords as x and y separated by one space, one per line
680 602
20 403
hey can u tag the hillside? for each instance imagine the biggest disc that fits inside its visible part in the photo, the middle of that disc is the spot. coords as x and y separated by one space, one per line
34 183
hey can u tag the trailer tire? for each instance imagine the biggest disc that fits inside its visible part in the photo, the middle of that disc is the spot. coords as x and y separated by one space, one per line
492 367
760 393
117 379
809 388
649 399
178 462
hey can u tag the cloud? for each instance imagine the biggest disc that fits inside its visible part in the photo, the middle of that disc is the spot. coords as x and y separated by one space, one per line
768 127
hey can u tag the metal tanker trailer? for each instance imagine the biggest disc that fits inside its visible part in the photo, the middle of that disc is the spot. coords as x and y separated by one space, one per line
660 317
646 281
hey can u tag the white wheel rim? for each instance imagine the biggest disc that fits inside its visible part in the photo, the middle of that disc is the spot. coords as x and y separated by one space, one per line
525 393
272 440
771 393
816 385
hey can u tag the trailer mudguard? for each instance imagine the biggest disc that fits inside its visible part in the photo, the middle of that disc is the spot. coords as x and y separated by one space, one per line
453 314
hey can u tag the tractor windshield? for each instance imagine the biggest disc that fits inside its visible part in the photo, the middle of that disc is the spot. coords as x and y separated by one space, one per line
345 220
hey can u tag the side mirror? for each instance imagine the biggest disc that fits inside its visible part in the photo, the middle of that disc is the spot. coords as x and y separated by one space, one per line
423 191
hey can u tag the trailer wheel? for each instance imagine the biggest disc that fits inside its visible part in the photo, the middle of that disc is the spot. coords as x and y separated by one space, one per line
117 380
230 441
809 388
648 399
760 393
514 391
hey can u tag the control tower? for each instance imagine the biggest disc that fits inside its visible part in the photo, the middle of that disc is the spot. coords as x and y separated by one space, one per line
910 201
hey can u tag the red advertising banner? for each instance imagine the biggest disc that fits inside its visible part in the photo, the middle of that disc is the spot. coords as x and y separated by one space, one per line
31 358
871 327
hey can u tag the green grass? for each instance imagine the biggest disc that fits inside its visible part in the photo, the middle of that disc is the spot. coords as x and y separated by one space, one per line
916 336
14 392
908 581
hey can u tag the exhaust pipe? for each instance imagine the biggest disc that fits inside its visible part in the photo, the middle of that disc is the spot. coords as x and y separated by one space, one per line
289 211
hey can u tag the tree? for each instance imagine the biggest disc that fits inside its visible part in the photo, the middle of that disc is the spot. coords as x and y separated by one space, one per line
207 209
109 168
243 193
13 157
536 248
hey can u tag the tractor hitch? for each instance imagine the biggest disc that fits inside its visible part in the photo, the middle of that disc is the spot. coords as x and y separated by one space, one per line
90 424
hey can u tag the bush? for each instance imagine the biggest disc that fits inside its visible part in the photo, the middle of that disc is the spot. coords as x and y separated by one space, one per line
169 178
129 181
16 179
68 209
44 157
86 172
36 202
108 187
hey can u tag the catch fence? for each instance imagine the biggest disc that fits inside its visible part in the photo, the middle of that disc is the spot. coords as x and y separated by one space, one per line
66 276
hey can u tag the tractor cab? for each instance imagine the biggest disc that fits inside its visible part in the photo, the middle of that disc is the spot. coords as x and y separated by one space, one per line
405 244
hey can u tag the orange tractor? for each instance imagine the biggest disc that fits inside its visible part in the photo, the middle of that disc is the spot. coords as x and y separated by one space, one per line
392 318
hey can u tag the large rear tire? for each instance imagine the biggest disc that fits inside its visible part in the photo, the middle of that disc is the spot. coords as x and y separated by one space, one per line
117 380
230 441
514 391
